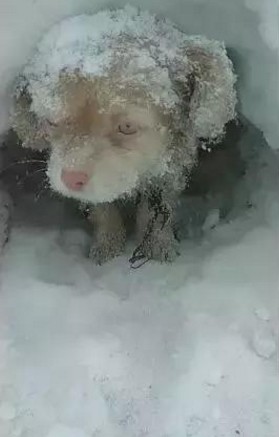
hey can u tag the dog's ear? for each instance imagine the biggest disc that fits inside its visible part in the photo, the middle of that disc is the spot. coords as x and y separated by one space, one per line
25 123
209 84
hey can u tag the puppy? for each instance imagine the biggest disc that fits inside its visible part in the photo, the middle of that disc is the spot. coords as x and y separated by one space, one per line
123 99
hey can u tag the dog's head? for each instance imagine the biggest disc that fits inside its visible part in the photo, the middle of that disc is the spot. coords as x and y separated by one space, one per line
103 139
108 133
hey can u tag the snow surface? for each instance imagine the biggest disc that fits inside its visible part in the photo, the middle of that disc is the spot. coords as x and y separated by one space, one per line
181 350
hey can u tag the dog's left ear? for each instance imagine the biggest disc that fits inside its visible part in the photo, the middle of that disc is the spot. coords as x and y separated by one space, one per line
209 82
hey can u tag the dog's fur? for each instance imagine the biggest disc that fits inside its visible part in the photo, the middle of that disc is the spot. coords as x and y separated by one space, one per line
129 145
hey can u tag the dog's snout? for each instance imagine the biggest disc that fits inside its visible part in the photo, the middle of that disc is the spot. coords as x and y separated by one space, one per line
74 180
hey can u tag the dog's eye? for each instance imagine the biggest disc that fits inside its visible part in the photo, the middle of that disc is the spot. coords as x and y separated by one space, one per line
127 128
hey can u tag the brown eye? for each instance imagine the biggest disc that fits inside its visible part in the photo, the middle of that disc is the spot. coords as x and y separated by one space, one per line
127 128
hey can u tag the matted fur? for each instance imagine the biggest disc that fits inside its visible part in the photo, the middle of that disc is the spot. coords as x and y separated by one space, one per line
172 90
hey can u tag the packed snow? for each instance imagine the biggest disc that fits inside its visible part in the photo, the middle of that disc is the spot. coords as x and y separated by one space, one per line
181 350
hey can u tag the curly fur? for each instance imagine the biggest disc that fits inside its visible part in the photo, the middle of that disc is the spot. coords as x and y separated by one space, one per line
76 115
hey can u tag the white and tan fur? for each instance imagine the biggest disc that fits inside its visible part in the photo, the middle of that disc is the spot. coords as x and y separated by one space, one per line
128 146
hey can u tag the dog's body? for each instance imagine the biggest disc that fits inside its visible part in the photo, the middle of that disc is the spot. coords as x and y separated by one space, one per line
128 125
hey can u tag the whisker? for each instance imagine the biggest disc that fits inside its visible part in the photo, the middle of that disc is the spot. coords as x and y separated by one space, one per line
26 161
44 187
39 194
22 180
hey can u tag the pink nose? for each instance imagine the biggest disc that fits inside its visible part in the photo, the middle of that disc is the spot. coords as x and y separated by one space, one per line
74 180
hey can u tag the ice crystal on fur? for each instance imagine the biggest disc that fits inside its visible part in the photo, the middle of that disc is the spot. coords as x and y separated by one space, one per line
93 74
149 52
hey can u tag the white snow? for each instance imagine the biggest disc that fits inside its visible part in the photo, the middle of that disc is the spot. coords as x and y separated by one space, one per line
63 431
89 43
262 314
163 351
7 411
178 350
264 342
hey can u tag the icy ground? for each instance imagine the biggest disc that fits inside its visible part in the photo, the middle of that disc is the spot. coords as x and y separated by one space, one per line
178 350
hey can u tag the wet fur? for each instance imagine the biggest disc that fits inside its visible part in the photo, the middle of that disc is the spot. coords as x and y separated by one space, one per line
162 160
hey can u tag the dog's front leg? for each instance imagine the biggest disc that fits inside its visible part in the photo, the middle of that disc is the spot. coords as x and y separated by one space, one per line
110 234
155 232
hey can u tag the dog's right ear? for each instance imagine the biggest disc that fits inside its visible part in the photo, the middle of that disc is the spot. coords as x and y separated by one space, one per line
205 80
24 121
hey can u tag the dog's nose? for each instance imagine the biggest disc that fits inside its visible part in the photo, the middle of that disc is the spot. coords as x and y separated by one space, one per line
74 180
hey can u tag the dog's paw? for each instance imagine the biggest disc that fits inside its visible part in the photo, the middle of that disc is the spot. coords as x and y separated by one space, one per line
158 246
102 254
164 251
107 248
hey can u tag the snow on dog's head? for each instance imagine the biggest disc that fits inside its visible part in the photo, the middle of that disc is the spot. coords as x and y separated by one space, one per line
111 94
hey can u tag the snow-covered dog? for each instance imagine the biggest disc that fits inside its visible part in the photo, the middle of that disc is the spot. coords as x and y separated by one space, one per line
123 100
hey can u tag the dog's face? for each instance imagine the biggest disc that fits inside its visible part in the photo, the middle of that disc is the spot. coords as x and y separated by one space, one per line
104 140
109 127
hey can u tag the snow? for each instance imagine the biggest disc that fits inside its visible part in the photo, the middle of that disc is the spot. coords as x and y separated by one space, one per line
187 349
88 43
128 48
7 411
165 350
264 342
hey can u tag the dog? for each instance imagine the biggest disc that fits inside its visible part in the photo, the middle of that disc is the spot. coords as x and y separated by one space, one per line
124 100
